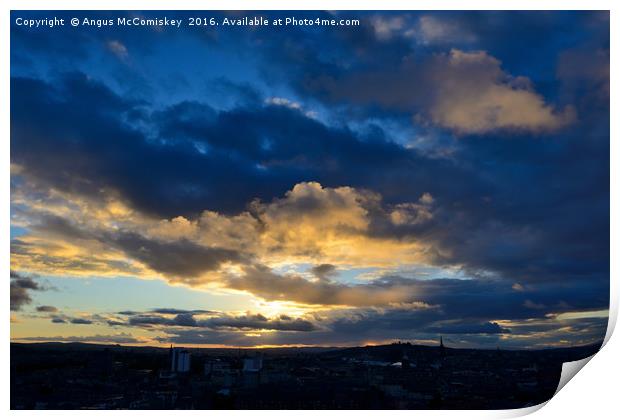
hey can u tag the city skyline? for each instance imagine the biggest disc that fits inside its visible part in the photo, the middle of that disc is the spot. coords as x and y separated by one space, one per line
421 174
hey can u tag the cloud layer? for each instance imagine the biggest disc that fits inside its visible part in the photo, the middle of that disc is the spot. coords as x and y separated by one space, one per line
422 174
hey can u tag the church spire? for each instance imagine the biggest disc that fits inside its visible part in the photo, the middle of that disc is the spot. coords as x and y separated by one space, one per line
442 348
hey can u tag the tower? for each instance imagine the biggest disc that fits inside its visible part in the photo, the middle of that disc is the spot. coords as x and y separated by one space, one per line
179 360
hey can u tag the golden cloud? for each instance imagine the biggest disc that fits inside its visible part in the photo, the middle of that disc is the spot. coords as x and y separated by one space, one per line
310 224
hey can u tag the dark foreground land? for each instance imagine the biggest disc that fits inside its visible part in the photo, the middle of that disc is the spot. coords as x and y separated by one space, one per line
396 376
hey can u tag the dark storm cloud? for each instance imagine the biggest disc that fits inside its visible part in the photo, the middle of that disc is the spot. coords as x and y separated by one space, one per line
245 153
166 180
24 282
47 308
323 271
81 321
258 322
176 258
173 311
493 299
404 322
221 322
21 287
147 320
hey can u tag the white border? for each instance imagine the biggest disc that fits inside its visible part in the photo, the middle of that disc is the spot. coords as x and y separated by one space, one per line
593 394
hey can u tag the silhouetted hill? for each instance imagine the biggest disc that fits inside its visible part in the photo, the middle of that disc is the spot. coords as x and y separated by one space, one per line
395 351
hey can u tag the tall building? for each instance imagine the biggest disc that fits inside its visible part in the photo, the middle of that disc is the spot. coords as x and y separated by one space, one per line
179 360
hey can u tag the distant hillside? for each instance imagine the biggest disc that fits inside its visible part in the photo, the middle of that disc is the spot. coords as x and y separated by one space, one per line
395 351
387 352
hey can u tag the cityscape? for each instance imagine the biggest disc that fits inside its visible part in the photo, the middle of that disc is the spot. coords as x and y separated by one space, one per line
395 376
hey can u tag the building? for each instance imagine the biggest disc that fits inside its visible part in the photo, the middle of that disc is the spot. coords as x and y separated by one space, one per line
179 360
253 364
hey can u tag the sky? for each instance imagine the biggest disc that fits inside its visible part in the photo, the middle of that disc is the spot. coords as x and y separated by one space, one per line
421 174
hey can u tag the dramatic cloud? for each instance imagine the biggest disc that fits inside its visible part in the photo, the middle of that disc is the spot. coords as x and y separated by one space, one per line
466 92
250 153
177 258
476 96
21 286
310 224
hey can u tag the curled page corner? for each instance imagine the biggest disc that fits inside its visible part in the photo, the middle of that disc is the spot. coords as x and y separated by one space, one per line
525 411
569 370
